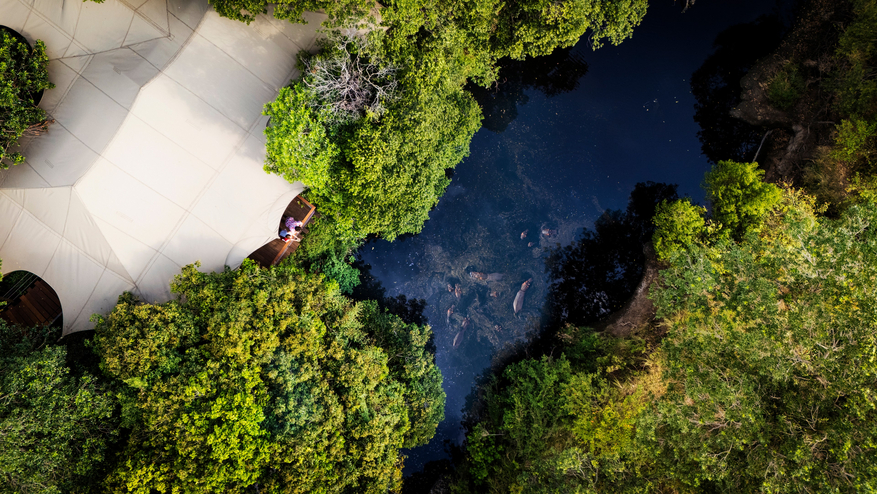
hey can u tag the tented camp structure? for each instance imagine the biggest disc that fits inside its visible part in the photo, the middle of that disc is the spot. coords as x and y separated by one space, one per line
155 157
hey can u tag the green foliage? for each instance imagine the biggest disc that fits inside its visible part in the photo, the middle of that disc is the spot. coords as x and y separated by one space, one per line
376 175
23 74
856 144
55 429
268 377
739 197
537 27
786 87
339 12
299 146
854 83
770 357
340 270
678 224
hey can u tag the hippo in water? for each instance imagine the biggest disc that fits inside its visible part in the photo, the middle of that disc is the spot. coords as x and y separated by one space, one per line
524 234
450 311
518 304
459 338
475 275
458 291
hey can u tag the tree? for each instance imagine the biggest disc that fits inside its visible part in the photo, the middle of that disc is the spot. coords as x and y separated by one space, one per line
678 224
769 357
56 429
23 76
375 174
739 198
266 378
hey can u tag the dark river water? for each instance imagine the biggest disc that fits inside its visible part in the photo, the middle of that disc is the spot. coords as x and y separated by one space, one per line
558 165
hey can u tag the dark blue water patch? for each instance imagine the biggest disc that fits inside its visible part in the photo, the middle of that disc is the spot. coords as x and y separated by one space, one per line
560 164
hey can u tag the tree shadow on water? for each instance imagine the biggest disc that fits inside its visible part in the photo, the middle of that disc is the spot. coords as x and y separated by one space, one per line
552 74
599 272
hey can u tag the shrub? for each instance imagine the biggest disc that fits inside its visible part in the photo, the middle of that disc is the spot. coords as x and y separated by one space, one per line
739 197
786 87
23 75
678 224
856 143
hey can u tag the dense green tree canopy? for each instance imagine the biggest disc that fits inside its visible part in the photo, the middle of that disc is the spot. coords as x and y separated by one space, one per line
739 198
269 378
770 352
375 174
56 428
23 75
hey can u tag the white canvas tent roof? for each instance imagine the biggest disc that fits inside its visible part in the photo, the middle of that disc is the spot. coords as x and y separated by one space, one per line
155 158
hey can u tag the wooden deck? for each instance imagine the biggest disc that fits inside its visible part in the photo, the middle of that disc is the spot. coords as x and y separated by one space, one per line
39 305
277 250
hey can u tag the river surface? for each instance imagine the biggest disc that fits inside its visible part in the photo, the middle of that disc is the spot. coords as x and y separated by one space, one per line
558 165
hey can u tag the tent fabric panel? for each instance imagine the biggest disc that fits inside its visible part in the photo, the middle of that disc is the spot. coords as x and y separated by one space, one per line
77 63
189 12
134 4
49 206
237 200
17 195
158 164
90 115
156 12
14 14
303 35
62 14
195 241
120 74
9 211
103 26
82 231
142 30
59 157
243 249
102 300
188 121
128 252
276 58
74 277
160 51
37 27
62 77
154 284
23 177
29 246
128 204
223 83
